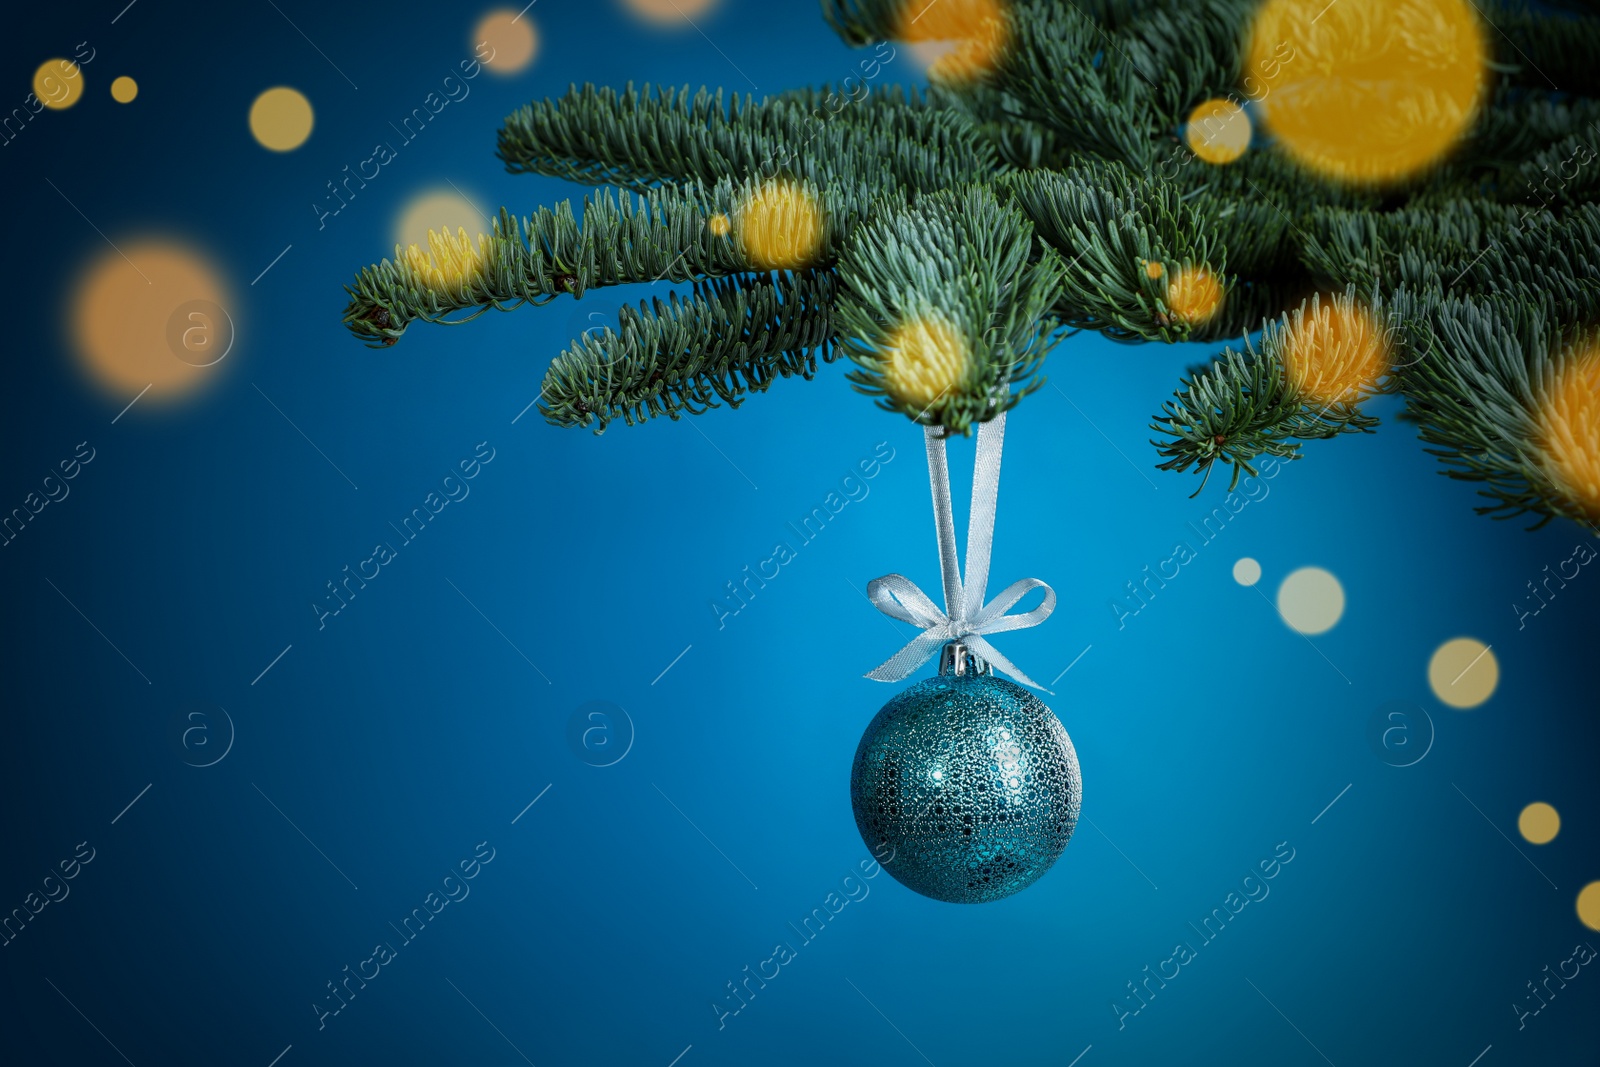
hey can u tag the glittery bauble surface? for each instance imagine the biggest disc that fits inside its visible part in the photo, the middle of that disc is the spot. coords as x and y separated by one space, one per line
972 782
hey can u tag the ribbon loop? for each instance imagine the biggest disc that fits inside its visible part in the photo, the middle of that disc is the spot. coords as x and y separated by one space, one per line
993 617
965 617
898 597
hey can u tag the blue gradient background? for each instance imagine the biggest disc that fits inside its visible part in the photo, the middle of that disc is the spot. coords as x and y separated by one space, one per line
409 730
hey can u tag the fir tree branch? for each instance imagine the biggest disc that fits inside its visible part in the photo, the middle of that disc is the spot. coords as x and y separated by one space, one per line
638 138
1262 238
944 307
730 338
1117 14
1464 246
1476 389
1547 52
664 234
1259 208
1515 124
1112 225
1068 74
1183 52
641 138
1250 305
859 22
1562 176
1249 404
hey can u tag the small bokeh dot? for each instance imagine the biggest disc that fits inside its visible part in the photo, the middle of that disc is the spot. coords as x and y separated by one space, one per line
124 89
444 210
1218 131
1311 600
511 38
782 225
1247 571
1539 823
58 83
281 119
1463 672
669 12
1589 905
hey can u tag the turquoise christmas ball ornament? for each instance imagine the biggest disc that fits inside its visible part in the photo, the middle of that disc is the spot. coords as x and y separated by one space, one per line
971 781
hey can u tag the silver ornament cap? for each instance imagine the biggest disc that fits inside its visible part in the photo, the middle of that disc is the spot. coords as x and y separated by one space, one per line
956 658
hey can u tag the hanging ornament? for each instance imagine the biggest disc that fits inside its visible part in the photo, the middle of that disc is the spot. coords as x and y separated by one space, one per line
970 779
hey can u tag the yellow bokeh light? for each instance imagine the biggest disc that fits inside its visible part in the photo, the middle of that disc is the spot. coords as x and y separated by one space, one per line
925 359
281 119
444 210
968 36
1463 672
669 12
155 314
1194 294
926 54
1311 600
1247 571
1568 441
448 263
1218 131
1335 350
1589 905
124 89
782 226
719 225
512 38
1539 823
1371 91
58 83
1153 269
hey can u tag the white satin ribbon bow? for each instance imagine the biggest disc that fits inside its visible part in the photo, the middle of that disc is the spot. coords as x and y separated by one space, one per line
966 617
